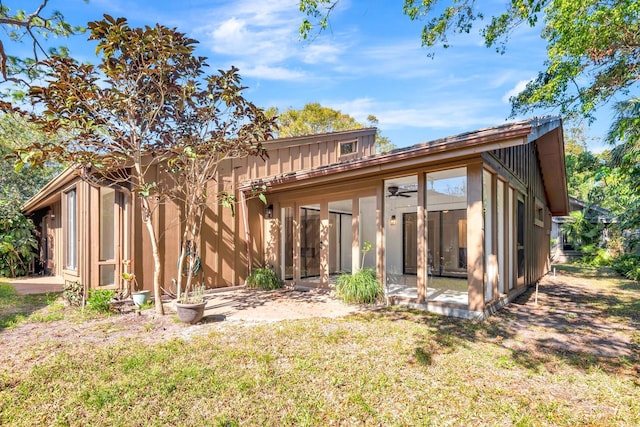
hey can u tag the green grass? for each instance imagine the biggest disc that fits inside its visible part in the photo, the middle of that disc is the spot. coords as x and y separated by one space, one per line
15 309
393 367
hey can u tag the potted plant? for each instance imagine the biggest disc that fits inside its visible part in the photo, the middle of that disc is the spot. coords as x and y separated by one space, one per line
190 305
140 297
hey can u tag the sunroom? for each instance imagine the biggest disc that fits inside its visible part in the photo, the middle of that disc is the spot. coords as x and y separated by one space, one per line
456 226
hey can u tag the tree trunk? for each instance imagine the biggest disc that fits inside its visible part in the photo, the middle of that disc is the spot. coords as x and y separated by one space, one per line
157 291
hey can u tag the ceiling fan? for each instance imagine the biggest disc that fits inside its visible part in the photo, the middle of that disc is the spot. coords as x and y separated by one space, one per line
396 191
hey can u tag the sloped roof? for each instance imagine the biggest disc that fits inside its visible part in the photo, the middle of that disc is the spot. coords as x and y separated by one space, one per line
547 132
51 191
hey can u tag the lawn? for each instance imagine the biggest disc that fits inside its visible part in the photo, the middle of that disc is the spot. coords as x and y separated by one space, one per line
390 367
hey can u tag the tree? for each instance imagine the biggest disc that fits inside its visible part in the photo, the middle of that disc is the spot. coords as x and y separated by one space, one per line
17 241
593 48
32 26
314 118
311 119
20 184
134 111
383 143
584 177
215 123
625 130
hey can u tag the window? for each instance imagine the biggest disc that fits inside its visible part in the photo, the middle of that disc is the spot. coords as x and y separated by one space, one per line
108 236
71 230
489 259
520 239
446 227
347 148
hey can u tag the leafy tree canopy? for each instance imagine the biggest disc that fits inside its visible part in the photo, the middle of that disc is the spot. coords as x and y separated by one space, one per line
17 242
311 119
32 26
148 101
314 118
593 46
20 184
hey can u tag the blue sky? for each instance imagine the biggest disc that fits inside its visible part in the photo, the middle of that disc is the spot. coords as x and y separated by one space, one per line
368 62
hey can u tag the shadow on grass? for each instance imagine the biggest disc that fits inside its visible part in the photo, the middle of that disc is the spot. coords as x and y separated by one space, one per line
574 325
14 308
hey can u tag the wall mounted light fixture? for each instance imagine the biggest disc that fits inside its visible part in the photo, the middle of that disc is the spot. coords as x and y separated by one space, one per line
268 212
393 220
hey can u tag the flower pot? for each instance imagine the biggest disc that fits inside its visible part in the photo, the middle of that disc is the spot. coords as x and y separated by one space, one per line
190 313
140 297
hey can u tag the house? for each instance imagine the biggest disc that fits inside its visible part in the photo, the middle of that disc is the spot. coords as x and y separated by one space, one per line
458 225
564 248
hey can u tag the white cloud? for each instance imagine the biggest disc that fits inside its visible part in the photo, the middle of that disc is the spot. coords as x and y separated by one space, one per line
271 73
264 36
441 114
519 87
318 53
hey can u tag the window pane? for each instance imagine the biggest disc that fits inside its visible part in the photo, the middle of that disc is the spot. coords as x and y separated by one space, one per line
446 202
107 275
287 239
500 216
368 230
107 224
340 236
347 148
310 241
488 234
71 231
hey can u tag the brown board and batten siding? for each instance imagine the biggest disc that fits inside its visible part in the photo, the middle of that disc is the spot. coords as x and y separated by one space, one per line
230 238
527 157
520 165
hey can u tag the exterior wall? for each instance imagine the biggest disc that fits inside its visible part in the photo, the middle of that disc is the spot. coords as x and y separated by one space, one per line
516 166
299 172
225 255
520 167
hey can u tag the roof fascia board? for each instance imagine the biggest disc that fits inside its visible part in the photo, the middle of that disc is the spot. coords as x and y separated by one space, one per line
396 160
311 139
38 199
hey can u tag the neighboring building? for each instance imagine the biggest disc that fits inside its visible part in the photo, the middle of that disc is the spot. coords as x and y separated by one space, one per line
563 248
458 225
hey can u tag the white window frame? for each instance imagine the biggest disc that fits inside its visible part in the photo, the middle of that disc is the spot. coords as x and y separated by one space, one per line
71 229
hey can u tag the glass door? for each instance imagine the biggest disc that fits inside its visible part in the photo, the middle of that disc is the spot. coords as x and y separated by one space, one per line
310 241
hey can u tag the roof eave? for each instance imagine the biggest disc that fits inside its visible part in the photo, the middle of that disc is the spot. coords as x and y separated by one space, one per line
46 193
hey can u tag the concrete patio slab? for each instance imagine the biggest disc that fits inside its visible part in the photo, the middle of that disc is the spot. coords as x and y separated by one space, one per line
37 284
270 306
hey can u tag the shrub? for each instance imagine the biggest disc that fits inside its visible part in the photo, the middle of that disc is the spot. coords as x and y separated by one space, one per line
628 266
72 293
17 243
362 287
100 299
264 278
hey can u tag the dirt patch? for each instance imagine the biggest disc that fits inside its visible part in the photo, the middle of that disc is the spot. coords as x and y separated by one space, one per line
573 315
20 346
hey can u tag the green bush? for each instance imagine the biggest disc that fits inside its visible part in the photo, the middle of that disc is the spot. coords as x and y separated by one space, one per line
264 278
99 299
362 287
17 243
628 266
72 293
